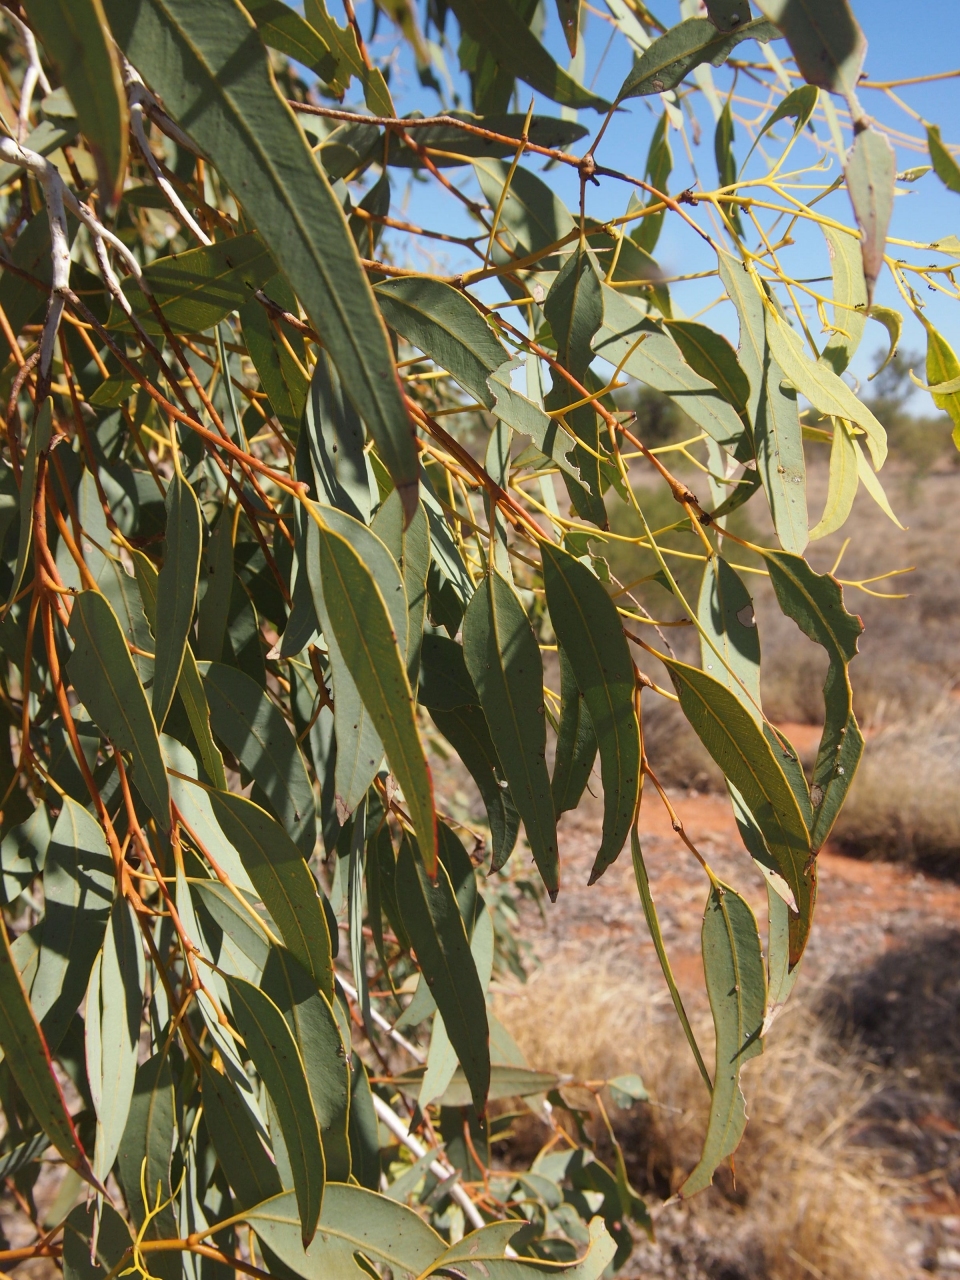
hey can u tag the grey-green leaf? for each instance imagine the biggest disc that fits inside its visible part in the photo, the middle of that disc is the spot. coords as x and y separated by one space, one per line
684 47
871 174
824 37
503 658
176 592
107 684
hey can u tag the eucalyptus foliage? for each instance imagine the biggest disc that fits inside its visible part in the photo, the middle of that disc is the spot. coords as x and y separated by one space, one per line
284 517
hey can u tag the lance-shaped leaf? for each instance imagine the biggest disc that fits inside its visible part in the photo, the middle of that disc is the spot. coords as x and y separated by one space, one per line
497 27
76 38
249 1170
588 628
361 623
727 15
569 12
176 592
112 1020
410 548
738 745
433 921
843 483
78 888
277 1058
640 348
737 988
102 672
333 440
824 37
732 654
253 728
576 742
503 659
314 1027
533 212
798 105
364 1128
443 323
353 1220
849 298
815 602
197 289
283 29
210 68
147 1146
574 310
684 47
106 1236
194 811
283 880
771 410
945 167
518 411
278 354
943 366
711 355
871 174
31 1066
36 446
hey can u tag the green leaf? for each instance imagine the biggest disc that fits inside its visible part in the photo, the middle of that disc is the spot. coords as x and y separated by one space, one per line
314 1027
737 988
544 131
574 311
503 658
364 1128
798 105
815 602
843 484
771 410
333 437
78 888
641 349
711 355
106 1234
281 376
23 851
576 743
283 29
725 612
518 411
569 13
825 39
106 682
498 28
112 1019
255 730
738 745
433 922
506 1081
75 36
444 324
249 1170
531 210
277 1059
176 592
947 169
148 1137
588 628
194 810
849 298
36 447
353 1221
360 621
200 287
283 880
684 47
892 321
212 72
31 1066
942 366
723 140
214 610
871 174
410 548
727 15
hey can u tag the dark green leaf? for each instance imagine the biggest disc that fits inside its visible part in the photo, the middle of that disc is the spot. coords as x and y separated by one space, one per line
248 1168
214 610
589 630
176 592
947 169
106 682
444 324
212 72
432 918
37 446
503 658
147 1145
277 1058
364 1129
798 106
684 47
281 376
825 39
535 215
75 35
410 548
576 743
283 29
711 355
112 1241
283 880
251 726
737 987
333 435
505 1082
574 311
727 15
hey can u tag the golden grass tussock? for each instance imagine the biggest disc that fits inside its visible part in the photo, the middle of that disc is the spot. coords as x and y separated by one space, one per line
804 1202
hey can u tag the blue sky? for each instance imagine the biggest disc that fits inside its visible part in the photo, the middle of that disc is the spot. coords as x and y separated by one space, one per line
903 41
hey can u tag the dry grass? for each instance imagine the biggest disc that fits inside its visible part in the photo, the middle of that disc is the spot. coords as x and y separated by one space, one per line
905 802
806 1202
